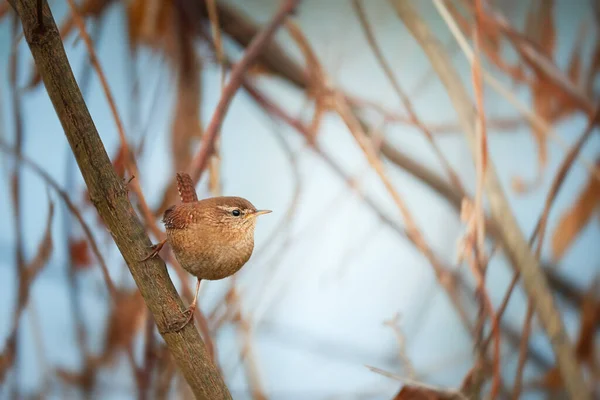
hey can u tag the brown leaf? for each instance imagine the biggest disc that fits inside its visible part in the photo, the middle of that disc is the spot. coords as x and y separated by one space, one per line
543 101
84 380
123 323
539 26
565 105
421 393
151 23
585 349
593 69
186 125
44 250
575 218
585 344
80 253
518 185
119 162
550 381
574 69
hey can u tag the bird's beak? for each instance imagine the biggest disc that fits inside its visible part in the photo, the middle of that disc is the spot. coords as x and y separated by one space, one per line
260 212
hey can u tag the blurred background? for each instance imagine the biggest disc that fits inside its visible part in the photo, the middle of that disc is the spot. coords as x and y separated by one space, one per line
338 301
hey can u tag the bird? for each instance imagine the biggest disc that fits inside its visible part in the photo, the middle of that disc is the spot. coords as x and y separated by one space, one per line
212 238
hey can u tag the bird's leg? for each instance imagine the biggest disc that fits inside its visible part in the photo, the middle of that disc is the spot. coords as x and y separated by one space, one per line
155 250
189 313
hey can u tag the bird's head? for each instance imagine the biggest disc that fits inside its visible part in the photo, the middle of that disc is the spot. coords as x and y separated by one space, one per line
234 213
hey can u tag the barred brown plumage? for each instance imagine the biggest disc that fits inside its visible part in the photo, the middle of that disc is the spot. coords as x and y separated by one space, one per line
211 238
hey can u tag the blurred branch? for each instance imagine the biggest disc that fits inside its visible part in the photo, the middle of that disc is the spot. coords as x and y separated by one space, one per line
15 195
443 273
253 51
109 196
214 181
72 208
514 243
534 119
432 391
413 117
241 29
541 231
27 274
542 63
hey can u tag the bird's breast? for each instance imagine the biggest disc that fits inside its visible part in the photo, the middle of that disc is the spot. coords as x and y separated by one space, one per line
210 256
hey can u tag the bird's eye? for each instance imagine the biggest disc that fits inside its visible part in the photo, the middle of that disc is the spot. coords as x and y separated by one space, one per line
236 213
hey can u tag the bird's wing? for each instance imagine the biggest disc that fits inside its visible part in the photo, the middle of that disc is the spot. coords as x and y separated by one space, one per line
179 216
186 188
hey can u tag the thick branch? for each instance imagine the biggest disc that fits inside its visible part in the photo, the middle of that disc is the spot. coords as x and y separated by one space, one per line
109 195
515 244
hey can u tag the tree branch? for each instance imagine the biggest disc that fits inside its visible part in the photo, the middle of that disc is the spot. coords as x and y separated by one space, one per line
536 284
109 195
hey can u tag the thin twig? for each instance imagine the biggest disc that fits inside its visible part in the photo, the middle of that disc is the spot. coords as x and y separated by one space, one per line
443 273
253 51
130 163
452 393
15 193
414 118
541 228
215 164
50 181
537 121
514 243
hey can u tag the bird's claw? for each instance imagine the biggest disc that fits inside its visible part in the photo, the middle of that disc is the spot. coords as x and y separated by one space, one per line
155 250
186 317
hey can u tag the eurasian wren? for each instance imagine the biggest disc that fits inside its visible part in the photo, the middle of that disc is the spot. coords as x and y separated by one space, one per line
211 238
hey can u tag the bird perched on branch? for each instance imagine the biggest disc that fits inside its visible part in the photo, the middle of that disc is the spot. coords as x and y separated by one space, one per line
211 238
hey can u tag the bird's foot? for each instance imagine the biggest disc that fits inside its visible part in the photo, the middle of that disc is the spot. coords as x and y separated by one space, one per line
155 250
185 318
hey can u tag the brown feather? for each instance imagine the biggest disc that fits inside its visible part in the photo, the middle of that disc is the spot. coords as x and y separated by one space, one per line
186 188
207 239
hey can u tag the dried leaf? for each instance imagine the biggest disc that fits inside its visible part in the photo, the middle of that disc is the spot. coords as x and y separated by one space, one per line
585 349
585 345
153 23
186 125
4 8
518 185
574 69
565 105
593 69
539 26
80 253
550 381
124 321
421 393
44 250
543 101
576 218
119 162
